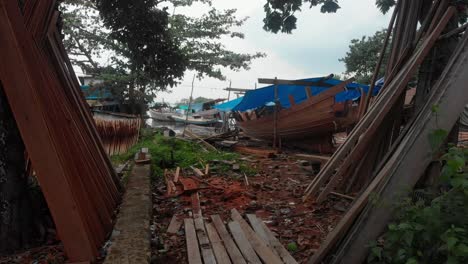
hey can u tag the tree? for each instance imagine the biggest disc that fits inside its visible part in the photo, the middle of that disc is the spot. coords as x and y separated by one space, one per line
280 13
148 49
201 43
361 59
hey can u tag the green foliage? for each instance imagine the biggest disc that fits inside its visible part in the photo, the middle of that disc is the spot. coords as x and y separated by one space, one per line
202 46
167 152
362 57
280 13
147 44
437 138
433 231
292 247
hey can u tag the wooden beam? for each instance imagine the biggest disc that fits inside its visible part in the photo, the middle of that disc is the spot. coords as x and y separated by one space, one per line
193 251
360 137
231 246
295 82
243 242
291 100
204 242
263 251
308 92
220 252
268 236
237 90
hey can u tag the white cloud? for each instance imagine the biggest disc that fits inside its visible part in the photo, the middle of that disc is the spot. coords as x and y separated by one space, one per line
313 49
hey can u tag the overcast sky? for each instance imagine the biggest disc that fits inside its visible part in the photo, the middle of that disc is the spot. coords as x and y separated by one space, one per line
312 50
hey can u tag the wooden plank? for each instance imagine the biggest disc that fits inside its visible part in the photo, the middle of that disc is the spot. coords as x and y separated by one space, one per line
255 151
272 240
197 172
255 223
243 243
196 209
319 158
176 175
237 90
291 100
174 225
413 155
360 148
206 144
294 82
21 88
308 92
193 251
367 127
230 245
221 255
262 249
204 242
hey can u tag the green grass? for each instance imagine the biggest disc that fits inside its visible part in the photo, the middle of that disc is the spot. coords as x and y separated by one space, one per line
169 153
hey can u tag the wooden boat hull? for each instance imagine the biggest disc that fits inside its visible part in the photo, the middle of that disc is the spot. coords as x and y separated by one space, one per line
166 117
302 121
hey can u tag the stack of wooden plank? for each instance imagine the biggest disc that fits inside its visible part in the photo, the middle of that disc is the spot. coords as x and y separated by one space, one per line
379 157
74 172
211 242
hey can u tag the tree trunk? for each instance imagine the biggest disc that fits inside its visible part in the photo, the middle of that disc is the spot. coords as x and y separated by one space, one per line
16 223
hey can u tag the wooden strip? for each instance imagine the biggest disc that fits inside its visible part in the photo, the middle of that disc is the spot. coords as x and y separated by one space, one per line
196 209
291 100
406 164
369 124
21 88
273 241
255 223
204 242
197 172
221 255
174 225
206 144
308 92
176 176
263 251
193 252
230 245
243 243
295 82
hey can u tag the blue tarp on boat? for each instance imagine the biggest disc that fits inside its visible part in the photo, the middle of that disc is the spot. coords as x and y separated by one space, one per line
260 97
228 106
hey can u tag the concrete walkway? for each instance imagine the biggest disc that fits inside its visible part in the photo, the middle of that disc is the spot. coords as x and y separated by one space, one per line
131 236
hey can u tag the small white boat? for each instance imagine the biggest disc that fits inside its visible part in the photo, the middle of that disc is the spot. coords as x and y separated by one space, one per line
161 116
195 120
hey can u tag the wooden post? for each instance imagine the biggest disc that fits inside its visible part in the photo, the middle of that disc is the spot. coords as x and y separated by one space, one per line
189 106
275 128
308 92
229 92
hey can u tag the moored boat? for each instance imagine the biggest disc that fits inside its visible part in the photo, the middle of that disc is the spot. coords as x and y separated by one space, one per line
161 115
194 120
303 113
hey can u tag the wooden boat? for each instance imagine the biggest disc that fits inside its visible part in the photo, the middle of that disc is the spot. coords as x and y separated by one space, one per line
194 120
161 115
316 117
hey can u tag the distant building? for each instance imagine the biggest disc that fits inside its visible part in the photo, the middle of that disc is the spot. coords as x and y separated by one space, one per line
97 96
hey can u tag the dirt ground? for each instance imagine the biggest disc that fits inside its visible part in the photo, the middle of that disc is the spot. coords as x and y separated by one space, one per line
273 194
